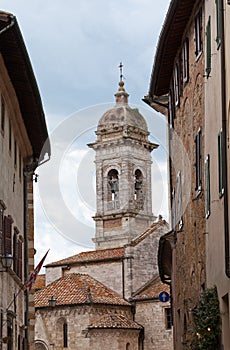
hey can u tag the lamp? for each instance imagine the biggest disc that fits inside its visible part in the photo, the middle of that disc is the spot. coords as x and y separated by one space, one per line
7 260
52 301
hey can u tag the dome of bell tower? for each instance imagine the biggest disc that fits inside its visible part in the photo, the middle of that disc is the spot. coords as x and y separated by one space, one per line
121 115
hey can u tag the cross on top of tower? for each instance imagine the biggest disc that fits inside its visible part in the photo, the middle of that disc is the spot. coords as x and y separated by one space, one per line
121 71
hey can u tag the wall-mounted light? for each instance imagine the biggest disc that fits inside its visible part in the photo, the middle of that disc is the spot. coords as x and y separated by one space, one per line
52 301
7 260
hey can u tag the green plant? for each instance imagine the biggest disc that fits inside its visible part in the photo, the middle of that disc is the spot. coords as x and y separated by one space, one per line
207 321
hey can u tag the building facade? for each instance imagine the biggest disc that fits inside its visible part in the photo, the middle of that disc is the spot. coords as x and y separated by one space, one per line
22 136
190 85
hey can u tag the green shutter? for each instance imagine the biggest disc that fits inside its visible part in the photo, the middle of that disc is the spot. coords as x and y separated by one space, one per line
220 163
218 39
208 47
207 186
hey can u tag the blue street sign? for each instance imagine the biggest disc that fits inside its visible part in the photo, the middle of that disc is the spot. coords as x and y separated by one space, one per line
164 296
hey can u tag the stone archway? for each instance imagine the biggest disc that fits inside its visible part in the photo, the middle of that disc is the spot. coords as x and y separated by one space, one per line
40 345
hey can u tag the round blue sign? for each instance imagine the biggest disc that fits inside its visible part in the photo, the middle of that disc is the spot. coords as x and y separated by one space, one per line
164 296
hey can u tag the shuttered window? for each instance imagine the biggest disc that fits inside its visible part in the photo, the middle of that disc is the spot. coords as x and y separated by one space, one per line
198 34
198 146
220 163
179 201
208 47
207 186
7 234
218 18
176 84
185 61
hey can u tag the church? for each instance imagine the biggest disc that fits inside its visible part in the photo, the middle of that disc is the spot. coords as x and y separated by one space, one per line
109 297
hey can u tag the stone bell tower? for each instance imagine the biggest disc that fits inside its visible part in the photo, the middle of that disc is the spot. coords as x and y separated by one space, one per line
123 174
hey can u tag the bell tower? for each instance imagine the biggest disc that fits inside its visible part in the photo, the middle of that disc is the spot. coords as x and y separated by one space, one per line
123 174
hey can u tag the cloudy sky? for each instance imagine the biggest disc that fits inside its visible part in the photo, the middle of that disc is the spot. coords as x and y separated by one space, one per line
75 48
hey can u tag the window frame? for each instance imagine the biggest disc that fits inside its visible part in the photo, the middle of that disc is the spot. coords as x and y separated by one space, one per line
198 34
168 318
220 163
179 206
218 24
208 48
185 61
207 187
176 84
198 163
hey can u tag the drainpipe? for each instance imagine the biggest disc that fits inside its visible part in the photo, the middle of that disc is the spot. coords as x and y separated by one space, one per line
26 257
224 128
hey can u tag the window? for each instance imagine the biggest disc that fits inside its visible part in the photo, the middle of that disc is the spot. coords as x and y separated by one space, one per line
10 136
171 111
185 61
173 211
138 180
168 318
3 112
220 163
179 201
7 236
218 13
65 335
15 153
198 34
198 145
208 47
113 184
176 85
207 186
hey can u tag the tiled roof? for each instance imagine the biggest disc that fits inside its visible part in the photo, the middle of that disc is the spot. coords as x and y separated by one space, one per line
114 321
91 256
40 282
151 229
77 288
151 290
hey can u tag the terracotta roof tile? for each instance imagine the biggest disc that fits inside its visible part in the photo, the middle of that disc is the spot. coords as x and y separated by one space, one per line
91 256
151 290
77 289
114 321
40 282
151 229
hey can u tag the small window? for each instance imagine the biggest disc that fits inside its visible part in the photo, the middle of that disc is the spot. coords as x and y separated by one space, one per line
218 13
179 201
176 85
198 34
185 61
220 163
138 183
207 186
173 211
3 114
15 154
198 145
208 47
113 183
65 335
171 110
10 136
7 236
168 318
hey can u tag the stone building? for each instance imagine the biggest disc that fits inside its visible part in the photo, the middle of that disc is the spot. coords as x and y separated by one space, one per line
190 86
124 264
22 136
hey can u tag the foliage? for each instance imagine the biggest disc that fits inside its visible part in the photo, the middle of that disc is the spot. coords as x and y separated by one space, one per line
207 321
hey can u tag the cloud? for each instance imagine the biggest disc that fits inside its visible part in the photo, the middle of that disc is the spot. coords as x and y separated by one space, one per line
75 49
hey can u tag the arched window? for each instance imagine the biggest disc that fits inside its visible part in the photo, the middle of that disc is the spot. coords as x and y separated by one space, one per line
113 184
127 346
138 182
